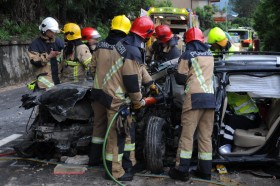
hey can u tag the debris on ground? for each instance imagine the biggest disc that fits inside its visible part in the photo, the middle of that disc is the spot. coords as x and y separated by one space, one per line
77 160
69 169
221 169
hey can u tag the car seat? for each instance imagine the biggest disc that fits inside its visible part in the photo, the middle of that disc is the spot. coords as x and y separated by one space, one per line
257 137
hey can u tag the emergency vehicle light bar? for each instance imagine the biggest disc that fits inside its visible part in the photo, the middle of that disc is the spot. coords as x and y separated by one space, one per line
168 10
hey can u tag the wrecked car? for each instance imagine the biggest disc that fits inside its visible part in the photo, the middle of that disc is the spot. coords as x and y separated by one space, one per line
62 124
258 76
158 123
253 140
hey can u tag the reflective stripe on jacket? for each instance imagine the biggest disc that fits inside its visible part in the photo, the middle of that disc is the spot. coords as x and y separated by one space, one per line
195 71
76 64
45 81
118 73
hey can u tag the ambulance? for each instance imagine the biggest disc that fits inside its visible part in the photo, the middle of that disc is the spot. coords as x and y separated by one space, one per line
178 19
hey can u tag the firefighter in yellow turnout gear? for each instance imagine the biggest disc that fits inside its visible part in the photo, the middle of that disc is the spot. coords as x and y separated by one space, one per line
77 56
117 82
104 49
219 42
195 71
44 53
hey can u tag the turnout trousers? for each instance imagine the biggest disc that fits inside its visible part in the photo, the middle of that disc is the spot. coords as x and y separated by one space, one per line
203 120
120 149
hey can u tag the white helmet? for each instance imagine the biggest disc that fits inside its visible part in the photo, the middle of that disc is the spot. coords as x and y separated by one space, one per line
49 23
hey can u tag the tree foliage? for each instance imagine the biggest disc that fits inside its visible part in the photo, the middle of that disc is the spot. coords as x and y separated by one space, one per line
243 21
205 15
96 13
267 24
244 8
17 14
163 3
79 11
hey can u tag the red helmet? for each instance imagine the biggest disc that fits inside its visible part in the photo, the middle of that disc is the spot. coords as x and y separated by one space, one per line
163 33
90 33
143 27
193 34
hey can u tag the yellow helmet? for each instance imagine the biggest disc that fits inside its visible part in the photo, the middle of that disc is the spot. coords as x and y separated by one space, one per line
72 31
122 23
217 35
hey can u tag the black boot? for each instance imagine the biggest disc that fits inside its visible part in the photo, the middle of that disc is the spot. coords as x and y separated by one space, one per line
128 176
199 174
203 169
126 163
178 175
125 177
95 154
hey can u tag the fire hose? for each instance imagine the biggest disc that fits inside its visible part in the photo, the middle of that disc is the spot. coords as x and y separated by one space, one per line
104 148
148 101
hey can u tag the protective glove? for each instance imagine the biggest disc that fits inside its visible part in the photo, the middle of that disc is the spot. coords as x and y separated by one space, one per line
139 104
153 89
120 125
127 125
123 126
32 85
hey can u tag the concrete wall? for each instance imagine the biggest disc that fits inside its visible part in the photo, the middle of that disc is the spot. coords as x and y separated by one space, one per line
14 63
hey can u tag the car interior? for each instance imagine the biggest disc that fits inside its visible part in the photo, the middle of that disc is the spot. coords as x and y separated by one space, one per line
265 92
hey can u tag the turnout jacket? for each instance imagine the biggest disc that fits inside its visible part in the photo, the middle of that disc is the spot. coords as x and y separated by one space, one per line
195 71
48 72
77 58
163 52
104 48
119 72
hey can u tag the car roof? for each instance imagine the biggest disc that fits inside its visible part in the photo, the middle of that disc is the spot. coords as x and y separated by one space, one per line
249 63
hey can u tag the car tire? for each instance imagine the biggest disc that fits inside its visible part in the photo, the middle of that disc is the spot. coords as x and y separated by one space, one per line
154 147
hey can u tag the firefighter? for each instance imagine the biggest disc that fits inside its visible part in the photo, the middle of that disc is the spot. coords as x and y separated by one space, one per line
44 53
195 71
117 83
90 36
77 55
120 27
219 42
165 47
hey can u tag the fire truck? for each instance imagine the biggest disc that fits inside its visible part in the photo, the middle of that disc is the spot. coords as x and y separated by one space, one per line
244 36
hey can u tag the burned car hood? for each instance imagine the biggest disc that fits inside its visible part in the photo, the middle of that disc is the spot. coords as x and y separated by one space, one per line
64 101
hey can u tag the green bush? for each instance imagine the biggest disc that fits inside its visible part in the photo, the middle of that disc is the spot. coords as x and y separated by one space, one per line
11 30
4 35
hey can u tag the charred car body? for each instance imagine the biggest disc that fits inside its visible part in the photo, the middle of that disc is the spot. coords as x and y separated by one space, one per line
62 124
